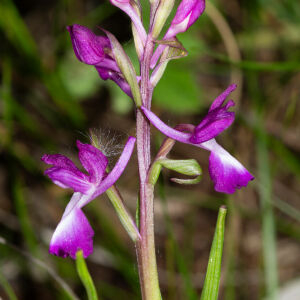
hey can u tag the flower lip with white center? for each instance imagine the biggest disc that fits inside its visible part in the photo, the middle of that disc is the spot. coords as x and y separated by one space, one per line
227 173
72 234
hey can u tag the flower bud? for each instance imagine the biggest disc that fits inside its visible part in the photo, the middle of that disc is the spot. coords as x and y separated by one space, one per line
96 50
163 11
186 15
188 167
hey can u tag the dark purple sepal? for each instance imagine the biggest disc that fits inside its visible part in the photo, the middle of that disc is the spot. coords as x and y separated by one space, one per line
72 234
212 125
65 178
87 46
60 161
117 78
218 102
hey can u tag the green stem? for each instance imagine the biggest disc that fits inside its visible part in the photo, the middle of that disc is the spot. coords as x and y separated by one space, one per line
85 276
146 246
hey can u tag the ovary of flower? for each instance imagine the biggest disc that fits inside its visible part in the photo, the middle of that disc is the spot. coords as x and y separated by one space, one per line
74 231
227 173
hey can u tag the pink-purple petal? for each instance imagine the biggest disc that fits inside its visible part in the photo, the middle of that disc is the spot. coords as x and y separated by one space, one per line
93 160
68 179
211 126
194 8
118 169
72 234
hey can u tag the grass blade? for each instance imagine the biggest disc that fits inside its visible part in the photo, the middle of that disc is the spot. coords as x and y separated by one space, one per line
7 288
213 273
268 220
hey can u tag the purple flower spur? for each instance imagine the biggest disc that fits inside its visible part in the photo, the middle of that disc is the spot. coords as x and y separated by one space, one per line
74 231
227 173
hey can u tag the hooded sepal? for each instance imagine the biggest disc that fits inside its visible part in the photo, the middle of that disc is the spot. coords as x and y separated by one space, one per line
87 46
96 50
217 120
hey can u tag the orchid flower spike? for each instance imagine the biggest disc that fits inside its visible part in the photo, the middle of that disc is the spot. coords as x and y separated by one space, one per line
186 15
74 232
226 172
96 50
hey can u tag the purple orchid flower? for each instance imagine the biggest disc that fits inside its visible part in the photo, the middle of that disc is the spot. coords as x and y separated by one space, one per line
74 231
96 50
186 15
226 172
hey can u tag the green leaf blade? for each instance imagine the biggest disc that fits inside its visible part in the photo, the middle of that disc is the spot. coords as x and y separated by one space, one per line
213 273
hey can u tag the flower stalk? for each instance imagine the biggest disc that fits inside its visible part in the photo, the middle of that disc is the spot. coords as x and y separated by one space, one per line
146 246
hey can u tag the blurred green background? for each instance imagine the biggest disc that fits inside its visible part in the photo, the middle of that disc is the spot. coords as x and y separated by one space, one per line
48 99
